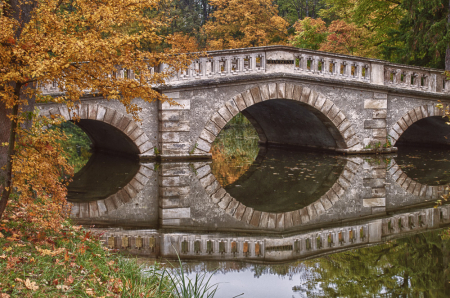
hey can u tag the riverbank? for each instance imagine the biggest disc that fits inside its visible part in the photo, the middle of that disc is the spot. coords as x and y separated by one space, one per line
70 262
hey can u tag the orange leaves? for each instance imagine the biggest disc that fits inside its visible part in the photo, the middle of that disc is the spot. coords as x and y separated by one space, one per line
30 285
340 37
182 43
39 171
244 23
111 35
47 252
11 40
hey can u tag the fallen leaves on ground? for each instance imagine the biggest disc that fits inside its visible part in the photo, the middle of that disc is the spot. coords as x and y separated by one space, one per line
47 252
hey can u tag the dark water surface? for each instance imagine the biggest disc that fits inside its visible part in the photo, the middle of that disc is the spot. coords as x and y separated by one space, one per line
407 262
102 176
284 180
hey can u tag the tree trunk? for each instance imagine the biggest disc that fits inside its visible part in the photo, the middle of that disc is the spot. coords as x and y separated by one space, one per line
447 52
12 141
20 11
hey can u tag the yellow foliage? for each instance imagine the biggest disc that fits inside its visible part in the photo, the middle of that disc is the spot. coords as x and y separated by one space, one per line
82 46
40 172
244 23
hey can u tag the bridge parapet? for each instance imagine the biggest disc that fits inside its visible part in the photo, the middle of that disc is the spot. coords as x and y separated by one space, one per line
273 59
270 59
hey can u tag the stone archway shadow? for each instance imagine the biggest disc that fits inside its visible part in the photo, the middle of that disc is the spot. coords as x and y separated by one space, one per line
411 117
136 136
283 220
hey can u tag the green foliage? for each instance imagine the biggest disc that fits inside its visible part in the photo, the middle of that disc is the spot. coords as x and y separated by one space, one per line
77 148
184 16
415 266
293 10
234 149
310 34
423 35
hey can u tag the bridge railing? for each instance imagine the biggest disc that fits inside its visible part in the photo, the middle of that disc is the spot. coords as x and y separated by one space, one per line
273 59
229 63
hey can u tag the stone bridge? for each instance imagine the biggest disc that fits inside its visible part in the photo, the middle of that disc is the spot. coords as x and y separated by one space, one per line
293 97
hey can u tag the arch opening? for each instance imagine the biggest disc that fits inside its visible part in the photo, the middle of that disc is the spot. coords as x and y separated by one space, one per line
99 173
107 138
235 149
290 123
427 132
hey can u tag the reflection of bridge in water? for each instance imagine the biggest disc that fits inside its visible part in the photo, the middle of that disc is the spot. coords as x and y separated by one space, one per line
273 248
181 206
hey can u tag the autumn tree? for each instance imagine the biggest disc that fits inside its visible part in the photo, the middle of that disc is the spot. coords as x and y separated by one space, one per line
339 37
244 23
309 33
347 38
79 45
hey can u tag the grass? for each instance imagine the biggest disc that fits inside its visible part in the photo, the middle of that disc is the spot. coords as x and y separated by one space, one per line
67 262
71 262
198 287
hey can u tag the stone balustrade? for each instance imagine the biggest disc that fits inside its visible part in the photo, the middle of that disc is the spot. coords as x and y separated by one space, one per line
272 248
290 60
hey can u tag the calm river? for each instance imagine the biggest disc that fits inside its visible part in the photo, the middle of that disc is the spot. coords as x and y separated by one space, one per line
272 222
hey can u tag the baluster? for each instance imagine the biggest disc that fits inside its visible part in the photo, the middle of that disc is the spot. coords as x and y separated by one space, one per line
332 68
359 74
252 63
304 63
408 75
339 66
397 76
326 66
416 80
387 75
348 69
203 67
315 66
367 72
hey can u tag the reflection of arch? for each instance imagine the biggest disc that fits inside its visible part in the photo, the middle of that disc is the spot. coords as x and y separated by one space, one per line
282 220
109 129
111 203
411 117
332 118
413 187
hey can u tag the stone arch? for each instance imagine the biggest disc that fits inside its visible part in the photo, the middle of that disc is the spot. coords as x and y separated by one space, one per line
125 195
111 118
130 129
412 116
340 128
282 220
431 192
